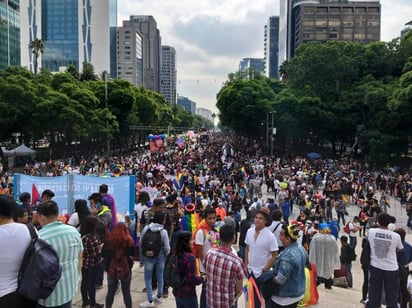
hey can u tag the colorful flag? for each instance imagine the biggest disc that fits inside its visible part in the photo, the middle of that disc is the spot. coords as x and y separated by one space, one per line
35 196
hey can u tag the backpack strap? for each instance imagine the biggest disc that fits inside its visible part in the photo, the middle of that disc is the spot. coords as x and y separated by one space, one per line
33 232
276 227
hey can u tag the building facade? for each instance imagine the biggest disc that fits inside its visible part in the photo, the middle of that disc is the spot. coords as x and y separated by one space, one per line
256 64
130 55
206 113
303 21
74 32
188 105
271 46
9 33
168 74
147 27
408 27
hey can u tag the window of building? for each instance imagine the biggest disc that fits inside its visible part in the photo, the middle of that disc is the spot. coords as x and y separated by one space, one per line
348 9
333 35
334 9
322 9
373 10
360 9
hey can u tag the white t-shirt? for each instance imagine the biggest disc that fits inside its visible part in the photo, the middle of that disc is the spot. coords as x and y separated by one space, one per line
383 248
260 251
275 228
14 240
204 239
352 225
74 221
139 208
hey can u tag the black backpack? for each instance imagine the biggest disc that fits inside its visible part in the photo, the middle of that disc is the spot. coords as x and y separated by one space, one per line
172 274
151 243
40 269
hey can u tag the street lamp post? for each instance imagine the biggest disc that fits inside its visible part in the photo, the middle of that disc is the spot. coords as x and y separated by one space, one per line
107 121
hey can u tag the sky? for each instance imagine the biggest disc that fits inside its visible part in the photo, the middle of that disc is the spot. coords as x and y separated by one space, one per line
212 36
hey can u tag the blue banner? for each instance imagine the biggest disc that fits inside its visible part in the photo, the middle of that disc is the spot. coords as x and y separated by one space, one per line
69 188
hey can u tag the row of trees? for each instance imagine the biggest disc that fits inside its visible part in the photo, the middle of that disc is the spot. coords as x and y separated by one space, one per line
334 96
82 110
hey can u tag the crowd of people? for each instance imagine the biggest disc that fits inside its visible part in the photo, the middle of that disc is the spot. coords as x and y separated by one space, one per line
216 188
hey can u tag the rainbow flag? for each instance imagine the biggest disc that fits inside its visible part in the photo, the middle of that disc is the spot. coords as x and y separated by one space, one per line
178 181
311 295
243 172
249 290
190 222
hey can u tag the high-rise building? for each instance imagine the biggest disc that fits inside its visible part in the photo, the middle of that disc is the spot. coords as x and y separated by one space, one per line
408 27
147 27
130 55
187 104
9 33
74 32
257 64
168 74
205 113
271 45
304 21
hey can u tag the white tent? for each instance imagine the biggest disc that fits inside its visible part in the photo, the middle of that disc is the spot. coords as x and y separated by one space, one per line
23 150
6 152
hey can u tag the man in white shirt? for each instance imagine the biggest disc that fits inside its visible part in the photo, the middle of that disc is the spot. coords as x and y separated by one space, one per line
354 227
383 264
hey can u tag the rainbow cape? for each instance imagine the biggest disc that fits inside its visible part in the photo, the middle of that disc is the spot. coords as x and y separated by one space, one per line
311 295
190 222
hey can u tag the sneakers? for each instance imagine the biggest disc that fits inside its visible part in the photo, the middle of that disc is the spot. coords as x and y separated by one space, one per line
146 304
158 299
165 293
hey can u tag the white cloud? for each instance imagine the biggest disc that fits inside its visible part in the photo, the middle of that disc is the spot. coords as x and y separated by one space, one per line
212 36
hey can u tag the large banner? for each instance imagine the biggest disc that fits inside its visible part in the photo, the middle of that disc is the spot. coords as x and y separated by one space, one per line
69 188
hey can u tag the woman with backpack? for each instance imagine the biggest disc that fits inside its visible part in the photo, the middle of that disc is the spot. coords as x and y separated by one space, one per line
118 253
91 261
154 247
185 295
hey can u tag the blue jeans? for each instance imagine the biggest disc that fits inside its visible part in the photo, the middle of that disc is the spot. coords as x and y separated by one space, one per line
157 264
389 280
88 285
353 241
349 269
341 215
111 289
188 302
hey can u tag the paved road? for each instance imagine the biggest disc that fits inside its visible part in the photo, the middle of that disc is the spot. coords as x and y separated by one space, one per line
336 297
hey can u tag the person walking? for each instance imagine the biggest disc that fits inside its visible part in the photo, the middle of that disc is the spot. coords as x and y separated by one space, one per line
120 245
261 246
347 255
185 296
383 269
91 262
289 270
67 242
155 263
14 241
225 272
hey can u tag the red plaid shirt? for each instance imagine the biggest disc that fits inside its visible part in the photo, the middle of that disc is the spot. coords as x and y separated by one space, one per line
223 270
91 251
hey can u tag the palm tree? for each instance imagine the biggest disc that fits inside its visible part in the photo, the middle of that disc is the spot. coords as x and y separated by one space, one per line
37 47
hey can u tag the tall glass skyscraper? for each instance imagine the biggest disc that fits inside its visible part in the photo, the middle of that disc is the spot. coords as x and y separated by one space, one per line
9 33
74 32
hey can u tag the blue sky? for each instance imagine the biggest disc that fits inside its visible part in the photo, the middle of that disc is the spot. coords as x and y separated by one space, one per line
212 36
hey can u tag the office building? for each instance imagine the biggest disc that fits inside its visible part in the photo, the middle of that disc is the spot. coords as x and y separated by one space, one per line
73 32
187 104
271 46
130 55
324 20
256 64
206 113
168 74
9 33
408 27
147 27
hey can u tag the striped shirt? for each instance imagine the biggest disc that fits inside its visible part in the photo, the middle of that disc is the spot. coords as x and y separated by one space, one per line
68 244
